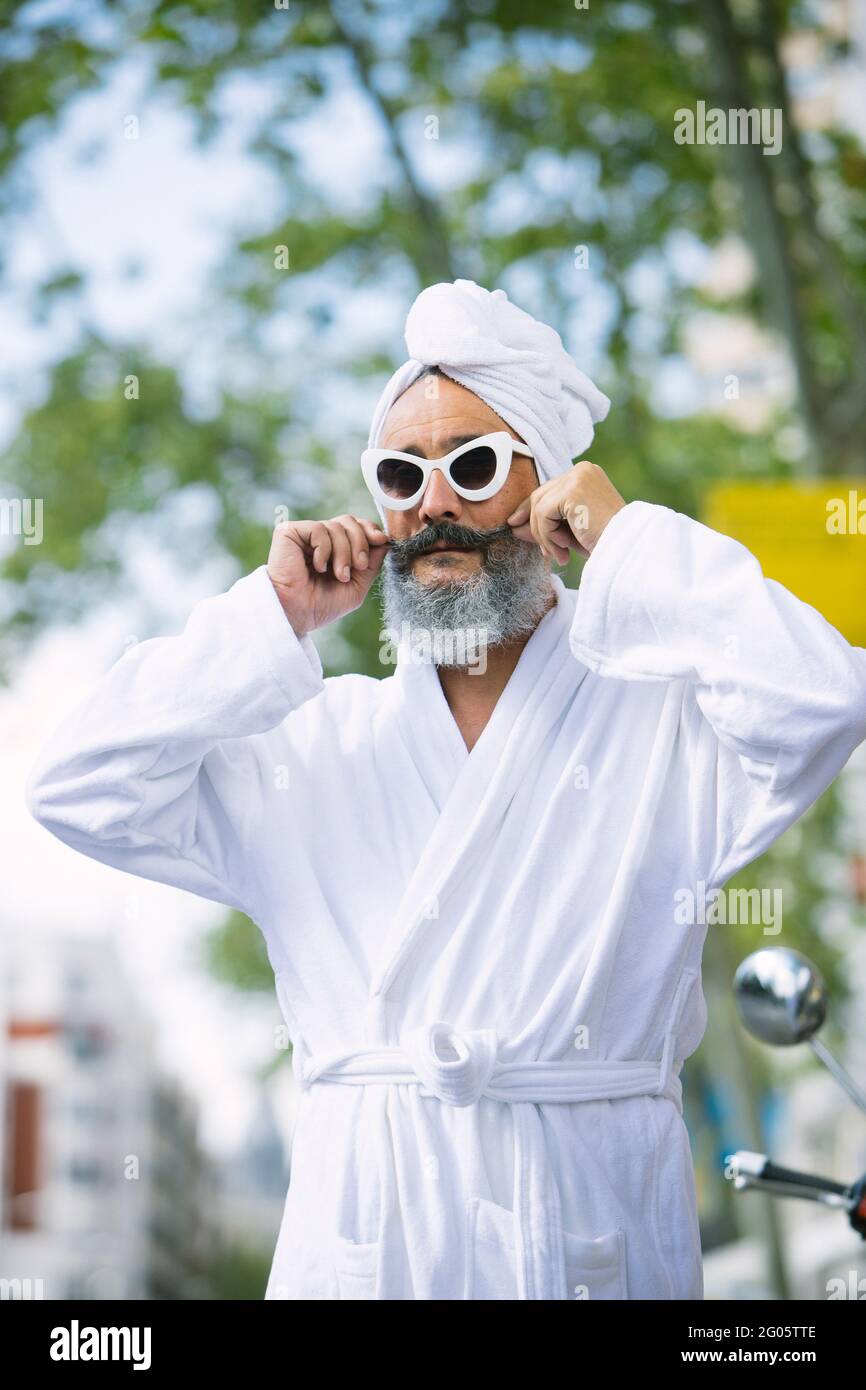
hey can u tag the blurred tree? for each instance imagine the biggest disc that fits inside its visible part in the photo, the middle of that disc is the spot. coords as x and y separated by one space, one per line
532 148
238 1271
560 126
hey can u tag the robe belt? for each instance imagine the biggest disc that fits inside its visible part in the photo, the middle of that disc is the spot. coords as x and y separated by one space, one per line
475 1071
471 1070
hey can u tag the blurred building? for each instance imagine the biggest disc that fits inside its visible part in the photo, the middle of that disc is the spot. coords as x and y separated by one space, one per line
256 1179
104 1192
183 1236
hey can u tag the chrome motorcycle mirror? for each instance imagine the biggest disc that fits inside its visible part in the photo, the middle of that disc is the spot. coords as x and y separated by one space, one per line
782 1000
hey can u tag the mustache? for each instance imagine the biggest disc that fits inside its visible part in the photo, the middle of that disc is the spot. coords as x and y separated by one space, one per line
402 553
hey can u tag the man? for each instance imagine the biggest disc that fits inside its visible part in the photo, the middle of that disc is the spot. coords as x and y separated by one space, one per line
467 873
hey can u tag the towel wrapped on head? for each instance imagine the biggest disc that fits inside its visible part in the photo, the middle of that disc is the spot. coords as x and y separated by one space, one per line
514 363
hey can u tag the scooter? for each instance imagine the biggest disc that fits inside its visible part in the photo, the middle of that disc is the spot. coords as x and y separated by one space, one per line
782 1000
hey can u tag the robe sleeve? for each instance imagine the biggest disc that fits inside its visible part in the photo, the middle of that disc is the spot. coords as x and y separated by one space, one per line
775 698
160 769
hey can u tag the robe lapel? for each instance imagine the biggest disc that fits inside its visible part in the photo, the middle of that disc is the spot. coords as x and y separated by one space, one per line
483 782
427 728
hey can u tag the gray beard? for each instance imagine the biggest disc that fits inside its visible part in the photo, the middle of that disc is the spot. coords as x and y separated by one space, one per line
452 622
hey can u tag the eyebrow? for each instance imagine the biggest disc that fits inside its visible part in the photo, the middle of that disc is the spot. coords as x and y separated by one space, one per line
454 442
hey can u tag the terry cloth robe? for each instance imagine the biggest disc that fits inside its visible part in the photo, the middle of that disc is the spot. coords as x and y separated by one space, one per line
480 956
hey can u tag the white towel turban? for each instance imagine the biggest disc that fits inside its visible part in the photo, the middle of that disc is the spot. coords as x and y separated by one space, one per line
510 360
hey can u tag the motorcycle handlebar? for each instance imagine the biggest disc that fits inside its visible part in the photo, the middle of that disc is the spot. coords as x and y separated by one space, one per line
773 1173
756 1171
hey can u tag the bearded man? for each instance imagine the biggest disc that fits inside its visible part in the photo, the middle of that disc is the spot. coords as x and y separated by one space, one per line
469 874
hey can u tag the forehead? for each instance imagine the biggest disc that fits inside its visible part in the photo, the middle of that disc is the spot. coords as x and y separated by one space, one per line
435 410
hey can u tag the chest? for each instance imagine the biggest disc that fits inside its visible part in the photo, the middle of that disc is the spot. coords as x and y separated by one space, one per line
412 795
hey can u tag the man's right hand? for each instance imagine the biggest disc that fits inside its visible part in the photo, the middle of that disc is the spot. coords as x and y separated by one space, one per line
322 570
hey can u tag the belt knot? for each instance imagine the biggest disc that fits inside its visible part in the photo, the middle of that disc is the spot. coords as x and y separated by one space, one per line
453 1066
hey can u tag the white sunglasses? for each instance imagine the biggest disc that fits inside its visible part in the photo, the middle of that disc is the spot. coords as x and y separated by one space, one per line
476 470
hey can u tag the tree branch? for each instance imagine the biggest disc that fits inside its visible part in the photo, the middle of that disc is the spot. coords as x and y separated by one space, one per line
432 251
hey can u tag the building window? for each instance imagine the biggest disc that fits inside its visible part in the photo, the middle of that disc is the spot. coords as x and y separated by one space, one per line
22 1167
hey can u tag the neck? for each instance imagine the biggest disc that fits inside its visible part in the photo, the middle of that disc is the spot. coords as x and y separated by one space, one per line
472 692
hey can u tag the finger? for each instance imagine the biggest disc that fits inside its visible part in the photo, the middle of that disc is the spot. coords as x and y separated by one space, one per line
533 526
377 559
524 533
536 498
521 514
320 542
556 553
358 542
550 524
375 534
297 531
362 580
540 531
341 551
561 534
554 546
567 540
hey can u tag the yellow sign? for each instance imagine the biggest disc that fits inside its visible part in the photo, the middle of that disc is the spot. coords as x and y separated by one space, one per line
810 535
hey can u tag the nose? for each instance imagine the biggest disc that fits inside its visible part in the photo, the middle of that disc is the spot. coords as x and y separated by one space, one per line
455 1067
440 502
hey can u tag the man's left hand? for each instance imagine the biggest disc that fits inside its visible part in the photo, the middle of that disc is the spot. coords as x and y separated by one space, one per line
568 512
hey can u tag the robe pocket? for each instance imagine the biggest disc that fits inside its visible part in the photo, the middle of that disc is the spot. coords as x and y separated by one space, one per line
491 1262
594 1268
357 1266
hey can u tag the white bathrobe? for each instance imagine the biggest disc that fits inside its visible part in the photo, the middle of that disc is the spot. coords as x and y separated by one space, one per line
479 955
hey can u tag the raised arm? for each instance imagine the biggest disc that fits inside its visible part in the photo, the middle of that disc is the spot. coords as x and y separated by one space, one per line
156 771
664 598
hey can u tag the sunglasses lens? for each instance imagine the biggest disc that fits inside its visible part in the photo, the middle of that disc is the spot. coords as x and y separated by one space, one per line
399 479
474 469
